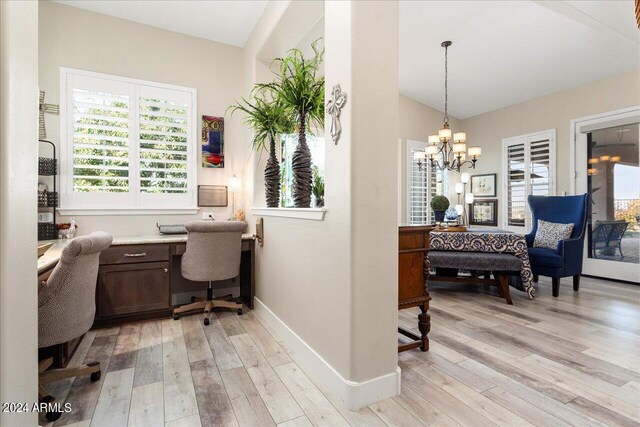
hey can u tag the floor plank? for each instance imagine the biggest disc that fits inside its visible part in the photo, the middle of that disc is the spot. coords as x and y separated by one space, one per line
126 348
149 356
147 406
249 408
115 399
221 347
213 401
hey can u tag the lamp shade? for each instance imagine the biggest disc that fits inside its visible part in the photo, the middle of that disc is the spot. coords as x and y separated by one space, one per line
459 188
419 155
594 160
433 139
459 147
468 198
234 184
475 151
444 133
605 158
431 150
615 158
464 177
460 137
459 209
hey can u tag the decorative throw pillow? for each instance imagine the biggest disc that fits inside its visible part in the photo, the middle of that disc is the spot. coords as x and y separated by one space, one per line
549 234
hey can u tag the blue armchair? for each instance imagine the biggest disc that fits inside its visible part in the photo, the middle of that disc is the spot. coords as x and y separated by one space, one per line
566 260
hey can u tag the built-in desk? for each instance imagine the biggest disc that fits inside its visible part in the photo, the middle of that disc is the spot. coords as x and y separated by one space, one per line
134 278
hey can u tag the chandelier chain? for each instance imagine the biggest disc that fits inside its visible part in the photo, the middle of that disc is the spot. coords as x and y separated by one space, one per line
446 84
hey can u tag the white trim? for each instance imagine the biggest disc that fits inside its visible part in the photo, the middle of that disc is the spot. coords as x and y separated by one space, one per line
573 133
315 214
94 211
143 203
354 395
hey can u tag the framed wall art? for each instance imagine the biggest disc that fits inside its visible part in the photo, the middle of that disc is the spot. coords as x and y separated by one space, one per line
483 185
212 142
484 212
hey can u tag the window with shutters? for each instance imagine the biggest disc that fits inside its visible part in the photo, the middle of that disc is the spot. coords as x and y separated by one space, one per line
529 169
423 183
126 144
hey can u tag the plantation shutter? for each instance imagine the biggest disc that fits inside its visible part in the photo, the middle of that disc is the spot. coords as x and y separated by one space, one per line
530 170
127 143
101 131
422 186
163 142
418 212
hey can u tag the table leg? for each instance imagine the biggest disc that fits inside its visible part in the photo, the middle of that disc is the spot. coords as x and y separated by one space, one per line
424 325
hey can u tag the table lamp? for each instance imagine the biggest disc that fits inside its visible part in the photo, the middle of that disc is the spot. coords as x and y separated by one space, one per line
234 186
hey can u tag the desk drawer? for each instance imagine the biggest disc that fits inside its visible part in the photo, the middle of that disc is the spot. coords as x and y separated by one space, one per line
130 254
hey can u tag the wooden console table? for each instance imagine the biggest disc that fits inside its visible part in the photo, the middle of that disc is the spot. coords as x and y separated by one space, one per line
413 272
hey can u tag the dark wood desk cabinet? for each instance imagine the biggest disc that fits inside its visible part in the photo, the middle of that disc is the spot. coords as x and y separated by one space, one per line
134 281
413 243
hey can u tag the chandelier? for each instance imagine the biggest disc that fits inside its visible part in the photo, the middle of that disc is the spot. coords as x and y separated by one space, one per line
441 151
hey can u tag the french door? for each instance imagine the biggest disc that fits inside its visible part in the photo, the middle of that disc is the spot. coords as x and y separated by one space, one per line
607 167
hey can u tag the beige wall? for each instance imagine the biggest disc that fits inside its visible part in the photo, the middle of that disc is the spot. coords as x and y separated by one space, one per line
77 38
18 165
417 122
553 111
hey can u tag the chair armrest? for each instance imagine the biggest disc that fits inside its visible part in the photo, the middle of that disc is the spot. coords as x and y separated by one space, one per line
570 246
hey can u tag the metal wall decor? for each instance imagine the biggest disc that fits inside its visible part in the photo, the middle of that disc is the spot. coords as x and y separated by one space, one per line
45 108
334 107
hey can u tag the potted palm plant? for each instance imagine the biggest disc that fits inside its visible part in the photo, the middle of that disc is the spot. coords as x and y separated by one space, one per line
268 117
300 88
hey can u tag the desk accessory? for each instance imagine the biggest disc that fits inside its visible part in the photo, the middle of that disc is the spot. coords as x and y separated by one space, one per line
171 228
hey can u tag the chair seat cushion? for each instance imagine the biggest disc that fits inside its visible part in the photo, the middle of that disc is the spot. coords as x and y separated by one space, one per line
483 261
545 257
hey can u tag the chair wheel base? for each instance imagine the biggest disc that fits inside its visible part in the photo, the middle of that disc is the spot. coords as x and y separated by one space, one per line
95 376
239 312
53 416
176 316
206 321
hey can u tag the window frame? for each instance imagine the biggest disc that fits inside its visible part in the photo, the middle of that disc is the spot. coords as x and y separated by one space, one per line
428 172
526 140
133 202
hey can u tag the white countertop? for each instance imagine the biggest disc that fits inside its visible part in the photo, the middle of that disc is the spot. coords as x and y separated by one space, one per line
52 255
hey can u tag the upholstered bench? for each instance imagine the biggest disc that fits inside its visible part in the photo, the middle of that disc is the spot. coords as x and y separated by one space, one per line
447 264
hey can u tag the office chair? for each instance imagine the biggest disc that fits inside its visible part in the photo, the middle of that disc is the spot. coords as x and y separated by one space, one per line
213 253
67 306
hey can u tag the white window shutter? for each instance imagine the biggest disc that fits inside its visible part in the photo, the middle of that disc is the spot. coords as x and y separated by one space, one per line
422 185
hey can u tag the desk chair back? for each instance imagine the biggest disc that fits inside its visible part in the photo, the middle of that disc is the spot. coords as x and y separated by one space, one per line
67 303
213 250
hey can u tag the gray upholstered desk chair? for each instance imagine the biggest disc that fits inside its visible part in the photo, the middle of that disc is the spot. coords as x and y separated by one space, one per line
213 253
67 306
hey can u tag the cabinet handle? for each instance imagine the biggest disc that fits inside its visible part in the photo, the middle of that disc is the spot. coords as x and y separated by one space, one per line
166 270
136 255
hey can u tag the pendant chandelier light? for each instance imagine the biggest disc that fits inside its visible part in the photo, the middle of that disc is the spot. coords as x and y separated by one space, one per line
441 151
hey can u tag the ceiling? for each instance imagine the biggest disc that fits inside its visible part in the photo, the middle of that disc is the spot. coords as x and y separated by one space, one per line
506 52
229 22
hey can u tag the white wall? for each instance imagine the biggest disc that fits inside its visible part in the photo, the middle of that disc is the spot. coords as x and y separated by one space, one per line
18 207
333 283
553 111
77 38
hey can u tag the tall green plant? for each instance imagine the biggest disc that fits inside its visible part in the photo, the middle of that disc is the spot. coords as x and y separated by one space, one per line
269 117
300 88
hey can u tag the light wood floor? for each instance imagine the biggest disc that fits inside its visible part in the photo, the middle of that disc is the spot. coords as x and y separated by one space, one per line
548 362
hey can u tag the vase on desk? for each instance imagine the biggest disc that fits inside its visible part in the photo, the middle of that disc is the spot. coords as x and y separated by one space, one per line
439 215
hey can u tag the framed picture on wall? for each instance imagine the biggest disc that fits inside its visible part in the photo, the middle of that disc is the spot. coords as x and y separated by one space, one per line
484 212
483 185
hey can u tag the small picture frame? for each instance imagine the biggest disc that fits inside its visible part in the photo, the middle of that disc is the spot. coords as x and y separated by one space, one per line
484 212
483 185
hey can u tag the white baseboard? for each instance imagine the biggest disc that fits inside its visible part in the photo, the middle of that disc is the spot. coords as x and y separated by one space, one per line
355 395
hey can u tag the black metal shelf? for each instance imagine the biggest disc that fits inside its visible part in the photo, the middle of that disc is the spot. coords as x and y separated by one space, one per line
48 166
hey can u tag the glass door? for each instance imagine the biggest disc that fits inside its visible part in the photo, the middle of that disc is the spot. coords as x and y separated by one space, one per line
609 157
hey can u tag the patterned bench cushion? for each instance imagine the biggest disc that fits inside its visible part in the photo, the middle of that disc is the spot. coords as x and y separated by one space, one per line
484 261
